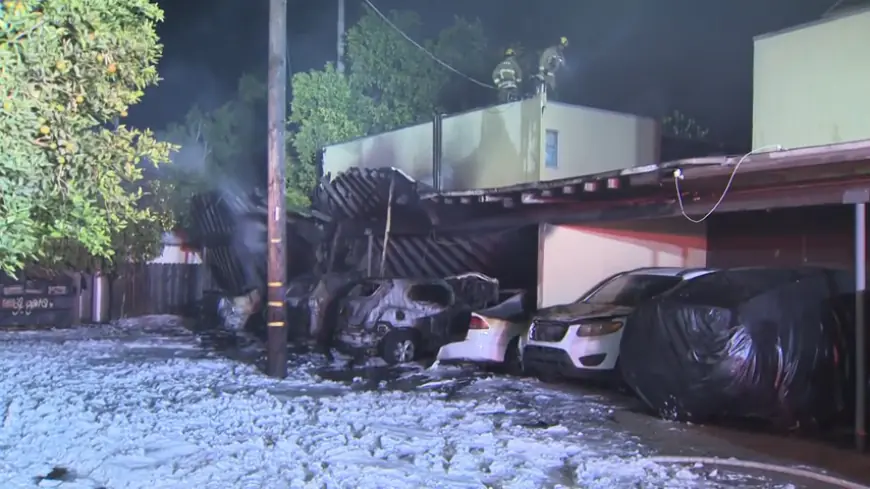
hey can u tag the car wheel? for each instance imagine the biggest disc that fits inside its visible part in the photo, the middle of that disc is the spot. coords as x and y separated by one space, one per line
400 346
513 358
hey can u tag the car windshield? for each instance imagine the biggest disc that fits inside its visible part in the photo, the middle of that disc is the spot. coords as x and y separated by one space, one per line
628 290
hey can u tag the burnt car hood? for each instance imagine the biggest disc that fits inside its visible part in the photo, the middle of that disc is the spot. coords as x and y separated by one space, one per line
581 310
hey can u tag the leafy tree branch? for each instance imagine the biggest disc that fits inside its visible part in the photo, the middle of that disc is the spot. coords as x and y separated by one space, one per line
72 190
389 83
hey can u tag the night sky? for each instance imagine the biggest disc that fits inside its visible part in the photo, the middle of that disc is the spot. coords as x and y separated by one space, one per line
637 56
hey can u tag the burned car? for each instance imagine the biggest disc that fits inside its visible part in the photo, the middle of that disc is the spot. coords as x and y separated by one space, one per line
310 302
402 320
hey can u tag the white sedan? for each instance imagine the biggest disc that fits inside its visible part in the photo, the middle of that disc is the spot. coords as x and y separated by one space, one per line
581 339
494 335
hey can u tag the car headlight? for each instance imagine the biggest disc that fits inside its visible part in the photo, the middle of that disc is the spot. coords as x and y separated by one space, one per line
598 329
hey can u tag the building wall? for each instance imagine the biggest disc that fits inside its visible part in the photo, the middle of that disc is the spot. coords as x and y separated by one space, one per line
810 83
594 141
493 147
408 149
175 252
503 145
822 235
572 259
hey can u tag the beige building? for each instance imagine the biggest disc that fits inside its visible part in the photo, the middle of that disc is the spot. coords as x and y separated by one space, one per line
508 144
811 83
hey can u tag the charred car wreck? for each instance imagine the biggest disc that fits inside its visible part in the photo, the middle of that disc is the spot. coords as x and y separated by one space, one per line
401 320
397 319
345 240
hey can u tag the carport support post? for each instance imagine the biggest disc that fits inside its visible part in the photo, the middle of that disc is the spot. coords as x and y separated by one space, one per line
369 251
276 343
860 324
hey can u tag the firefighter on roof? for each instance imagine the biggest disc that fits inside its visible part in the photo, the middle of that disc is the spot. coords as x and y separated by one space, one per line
507 77
552 59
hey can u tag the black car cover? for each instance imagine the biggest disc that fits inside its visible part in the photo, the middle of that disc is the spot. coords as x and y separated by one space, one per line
743 343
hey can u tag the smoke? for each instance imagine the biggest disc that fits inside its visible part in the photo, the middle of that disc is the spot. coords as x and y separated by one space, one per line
190 164
579 64
235 212
191 159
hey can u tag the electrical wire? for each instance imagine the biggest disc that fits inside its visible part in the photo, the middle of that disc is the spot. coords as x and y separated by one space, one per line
678 177
421 48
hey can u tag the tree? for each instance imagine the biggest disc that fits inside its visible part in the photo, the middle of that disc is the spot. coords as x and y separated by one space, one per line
397 74
216 148
389 83
71 178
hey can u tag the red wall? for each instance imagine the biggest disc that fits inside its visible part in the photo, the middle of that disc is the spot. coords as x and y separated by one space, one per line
822 235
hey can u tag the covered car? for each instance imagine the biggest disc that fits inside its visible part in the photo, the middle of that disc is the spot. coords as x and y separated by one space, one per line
581 340
743 343
402 319
494 334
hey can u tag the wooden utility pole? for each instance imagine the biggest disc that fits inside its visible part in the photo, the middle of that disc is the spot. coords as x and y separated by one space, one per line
860 326
339 62
276 350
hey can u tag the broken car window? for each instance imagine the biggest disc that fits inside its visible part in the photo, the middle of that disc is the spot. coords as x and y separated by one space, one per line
365 289
430 293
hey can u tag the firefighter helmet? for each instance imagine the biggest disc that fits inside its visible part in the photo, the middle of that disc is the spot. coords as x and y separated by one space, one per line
563 41
509 52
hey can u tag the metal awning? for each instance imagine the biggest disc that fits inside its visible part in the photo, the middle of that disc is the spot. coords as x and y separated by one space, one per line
791 178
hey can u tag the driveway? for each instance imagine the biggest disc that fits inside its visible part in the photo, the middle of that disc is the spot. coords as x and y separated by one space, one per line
147 404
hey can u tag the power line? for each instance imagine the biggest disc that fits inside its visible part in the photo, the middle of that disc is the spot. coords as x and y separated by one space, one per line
420 47
678 175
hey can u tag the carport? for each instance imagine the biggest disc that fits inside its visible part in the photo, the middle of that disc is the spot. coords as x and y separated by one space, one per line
374 224
794 181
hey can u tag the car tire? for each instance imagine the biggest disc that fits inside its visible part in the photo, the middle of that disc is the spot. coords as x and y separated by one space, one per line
513 358
400 346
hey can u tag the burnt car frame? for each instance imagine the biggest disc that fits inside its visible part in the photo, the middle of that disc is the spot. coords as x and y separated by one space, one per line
310 303
401 320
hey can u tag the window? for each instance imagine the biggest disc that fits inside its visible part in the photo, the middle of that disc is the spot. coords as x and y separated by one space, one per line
628 290
552 147
430 293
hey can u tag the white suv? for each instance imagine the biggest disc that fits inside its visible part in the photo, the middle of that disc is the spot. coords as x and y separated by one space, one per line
581 339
